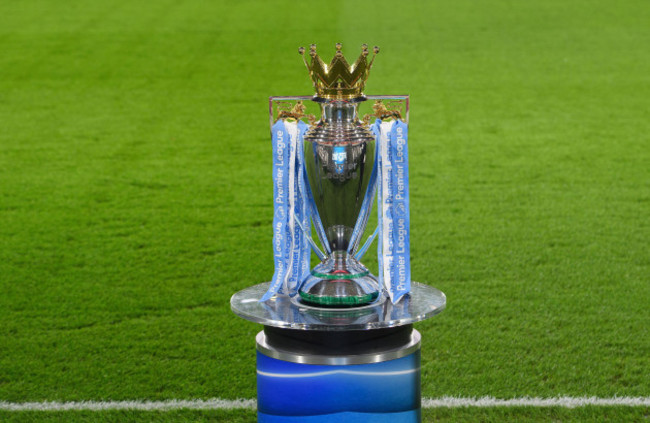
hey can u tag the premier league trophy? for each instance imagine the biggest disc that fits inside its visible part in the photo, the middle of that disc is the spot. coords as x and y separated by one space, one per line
338 342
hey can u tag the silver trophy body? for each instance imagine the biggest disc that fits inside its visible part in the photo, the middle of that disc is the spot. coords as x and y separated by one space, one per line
339 157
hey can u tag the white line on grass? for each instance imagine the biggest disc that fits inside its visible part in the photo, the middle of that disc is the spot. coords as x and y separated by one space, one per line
564 402
222 404
196 404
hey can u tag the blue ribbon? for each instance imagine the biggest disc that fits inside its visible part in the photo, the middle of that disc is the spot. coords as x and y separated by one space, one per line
291 253
401 269
393 248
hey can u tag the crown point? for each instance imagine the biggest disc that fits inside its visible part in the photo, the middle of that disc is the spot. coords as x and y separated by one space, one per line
338 50
364 49
312 50
375 49
301 50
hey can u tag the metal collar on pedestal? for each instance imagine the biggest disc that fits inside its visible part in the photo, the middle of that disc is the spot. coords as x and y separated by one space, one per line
305 357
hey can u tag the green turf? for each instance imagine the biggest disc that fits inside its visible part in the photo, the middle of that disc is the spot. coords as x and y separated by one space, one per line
135 192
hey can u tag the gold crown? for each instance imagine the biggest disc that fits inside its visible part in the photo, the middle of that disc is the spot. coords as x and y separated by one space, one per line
339 80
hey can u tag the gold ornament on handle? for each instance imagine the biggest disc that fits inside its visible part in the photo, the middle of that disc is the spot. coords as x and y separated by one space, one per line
384 112
339 80
294 113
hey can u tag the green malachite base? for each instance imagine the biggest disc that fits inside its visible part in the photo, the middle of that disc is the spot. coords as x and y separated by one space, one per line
340 275
349 301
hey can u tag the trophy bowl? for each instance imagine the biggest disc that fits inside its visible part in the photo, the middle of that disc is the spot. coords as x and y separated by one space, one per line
339 157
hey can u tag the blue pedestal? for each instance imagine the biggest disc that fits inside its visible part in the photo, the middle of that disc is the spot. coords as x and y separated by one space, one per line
387 391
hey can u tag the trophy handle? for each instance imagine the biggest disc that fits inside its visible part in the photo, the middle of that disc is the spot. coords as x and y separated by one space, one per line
293 112
384 111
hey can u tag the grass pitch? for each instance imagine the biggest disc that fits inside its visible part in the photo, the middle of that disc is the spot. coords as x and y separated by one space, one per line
135 194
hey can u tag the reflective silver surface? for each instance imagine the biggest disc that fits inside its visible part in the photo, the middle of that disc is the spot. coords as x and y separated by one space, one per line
284 312
339 158
297 356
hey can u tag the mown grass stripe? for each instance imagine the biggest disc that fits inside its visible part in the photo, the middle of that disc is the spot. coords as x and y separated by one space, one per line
241 404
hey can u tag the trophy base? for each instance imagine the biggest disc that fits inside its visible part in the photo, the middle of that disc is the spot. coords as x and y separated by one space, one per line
336 293
340 281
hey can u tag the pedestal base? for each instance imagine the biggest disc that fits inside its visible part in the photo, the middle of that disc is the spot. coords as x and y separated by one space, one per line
380 381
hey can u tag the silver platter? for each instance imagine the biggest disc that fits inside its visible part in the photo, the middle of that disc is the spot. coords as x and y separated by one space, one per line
284 312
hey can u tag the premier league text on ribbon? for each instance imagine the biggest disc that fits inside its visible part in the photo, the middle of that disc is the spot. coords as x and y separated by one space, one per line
401 241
